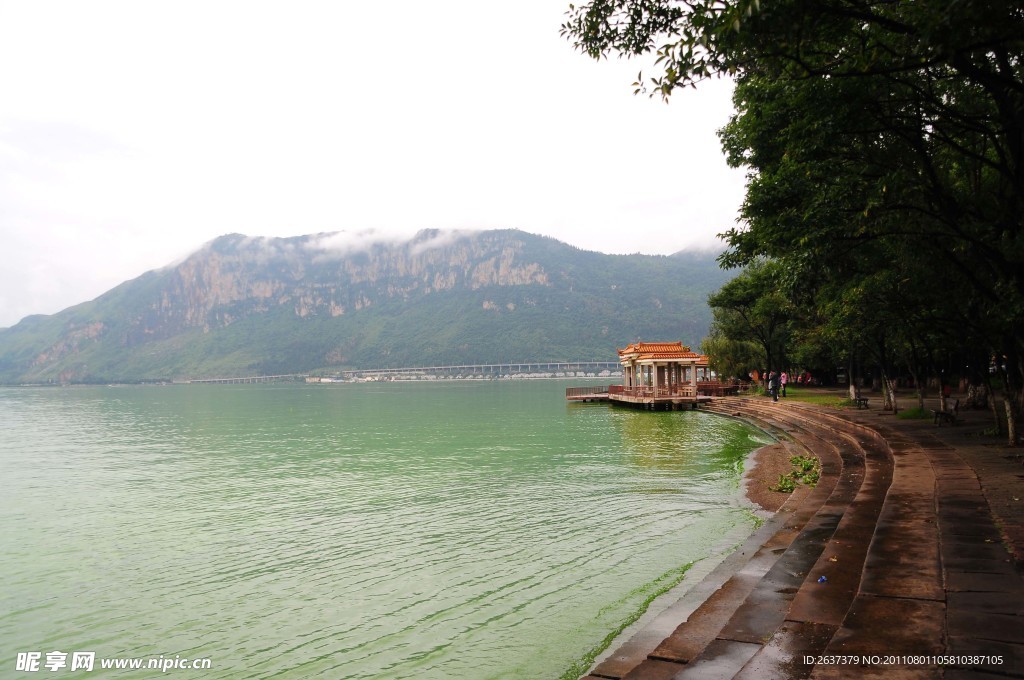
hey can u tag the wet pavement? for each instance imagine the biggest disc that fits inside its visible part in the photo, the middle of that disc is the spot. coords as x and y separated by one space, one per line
906 560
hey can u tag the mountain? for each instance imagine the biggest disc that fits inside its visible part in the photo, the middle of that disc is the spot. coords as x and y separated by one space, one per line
250 306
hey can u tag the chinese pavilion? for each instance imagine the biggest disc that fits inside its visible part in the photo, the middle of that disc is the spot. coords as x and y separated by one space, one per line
661 374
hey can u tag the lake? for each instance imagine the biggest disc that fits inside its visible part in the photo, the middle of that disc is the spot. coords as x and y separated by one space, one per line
462 529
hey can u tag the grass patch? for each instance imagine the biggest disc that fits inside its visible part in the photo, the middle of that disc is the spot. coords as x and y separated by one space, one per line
916 413
815 397
786 484
806 470
755 390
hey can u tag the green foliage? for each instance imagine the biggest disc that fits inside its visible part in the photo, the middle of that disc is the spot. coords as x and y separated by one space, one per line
730 357
806 470
751 310
786 484
691 43
756 390
803 463
810 396
884 144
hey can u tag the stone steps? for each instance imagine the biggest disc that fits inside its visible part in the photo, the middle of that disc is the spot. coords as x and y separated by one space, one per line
833 545
744 626
729 630
900 527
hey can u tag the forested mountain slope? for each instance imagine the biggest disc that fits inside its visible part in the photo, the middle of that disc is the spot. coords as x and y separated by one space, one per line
247 306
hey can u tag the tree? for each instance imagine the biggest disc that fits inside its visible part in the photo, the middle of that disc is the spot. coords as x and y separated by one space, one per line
731 357
752 308
873 133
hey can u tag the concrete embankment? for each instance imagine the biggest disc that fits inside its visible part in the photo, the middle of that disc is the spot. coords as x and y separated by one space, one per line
903 561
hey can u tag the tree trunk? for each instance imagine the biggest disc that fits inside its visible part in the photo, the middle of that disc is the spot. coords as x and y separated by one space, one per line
1011 421
976 397
889 392
995 411
919 388
853 383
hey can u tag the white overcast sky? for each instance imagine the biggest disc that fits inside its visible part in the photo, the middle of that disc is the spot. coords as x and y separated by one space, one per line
133 132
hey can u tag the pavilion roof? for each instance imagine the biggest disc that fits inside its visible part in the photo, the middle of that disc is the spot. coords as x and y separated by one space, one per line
660 351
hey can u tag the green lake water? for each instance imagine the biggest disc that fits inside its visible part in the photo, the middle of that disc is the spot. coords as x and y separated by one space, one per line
392 530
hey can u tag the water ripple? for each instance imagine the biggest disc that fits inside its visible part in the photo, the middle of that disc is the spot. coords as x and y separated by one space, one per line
292 531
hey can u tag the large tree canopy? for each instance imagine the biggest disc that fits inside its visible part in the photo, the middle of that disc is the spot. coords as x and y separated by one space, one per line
884 143
753 308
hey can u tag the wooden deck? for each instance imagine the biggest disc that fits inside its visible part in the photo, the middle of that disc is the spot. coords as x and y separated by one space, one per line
662 398
594 393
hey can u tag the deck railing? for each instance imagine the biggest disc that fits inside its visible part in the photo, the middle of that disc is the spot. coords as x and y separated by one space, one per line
715 388
647 392
584 391
705 388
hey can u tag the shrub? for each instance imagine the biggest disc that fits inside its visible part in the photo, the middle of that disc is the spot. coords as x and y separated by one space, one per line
806 470
785 485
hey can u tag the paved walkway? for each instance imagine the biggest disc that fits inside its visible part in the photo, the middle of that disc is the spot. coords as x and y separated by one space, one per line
905 561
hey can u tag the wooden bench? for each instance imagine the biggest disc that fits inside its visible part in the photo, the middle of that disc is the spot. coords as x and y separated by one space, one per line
948 416
862 402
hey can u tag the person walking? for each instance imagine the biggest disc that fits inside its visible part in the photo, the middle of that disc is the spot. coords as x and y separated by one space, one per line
783 379
773 386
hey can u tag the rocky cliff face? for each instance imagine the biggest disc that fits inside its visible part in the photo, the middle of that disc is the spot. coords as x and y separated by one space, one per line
242 304
235 276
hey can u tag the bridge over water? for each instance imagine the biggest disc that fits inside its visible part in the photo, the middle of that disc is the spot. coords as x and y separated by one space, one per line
488 370
517 368
250 379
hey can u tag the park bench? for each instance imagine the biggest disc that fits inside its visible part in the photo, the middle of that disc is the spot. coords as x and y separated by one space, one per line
947 416
862 402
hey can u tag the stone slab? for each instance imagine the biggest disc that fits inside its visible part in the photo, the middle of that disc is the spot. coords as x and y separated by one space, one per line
783 656
888 625
1004 658
720 660
985 626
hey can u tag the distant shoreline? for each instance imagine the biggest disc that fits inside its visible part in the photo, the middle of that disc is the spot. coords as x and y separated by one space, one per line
255 380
